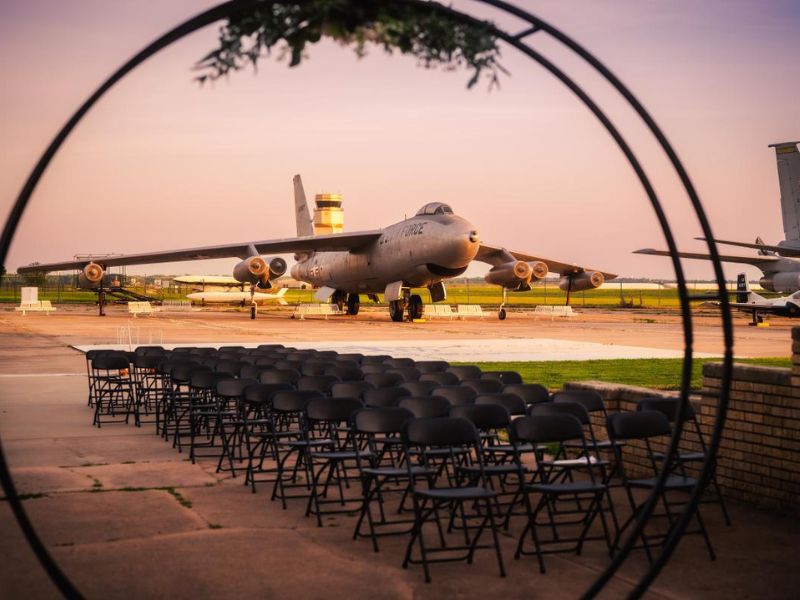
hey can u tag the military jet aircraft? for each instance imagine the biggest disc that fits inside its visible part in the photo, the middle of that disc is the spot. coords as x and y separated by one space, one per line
781 271
423 251
748 301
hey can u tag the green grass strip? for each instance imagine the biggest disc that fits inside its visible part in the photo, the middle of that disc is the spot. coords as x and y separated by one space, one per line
656 373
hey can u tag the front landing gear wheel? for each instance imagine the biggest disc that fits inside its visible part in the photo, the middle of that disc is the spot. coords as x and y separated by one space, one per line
415 308
502 314
353 304
253 310
396 310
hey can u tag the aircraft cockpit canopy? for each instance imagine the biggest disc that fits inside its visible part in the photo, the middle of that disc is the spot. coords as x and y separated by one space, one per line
435 208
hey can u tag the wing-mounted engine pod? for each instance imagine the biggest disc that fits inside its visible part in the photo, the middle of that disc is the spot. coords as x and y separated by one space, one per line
512 274
259 270
91 276
587 280
539 270
781 282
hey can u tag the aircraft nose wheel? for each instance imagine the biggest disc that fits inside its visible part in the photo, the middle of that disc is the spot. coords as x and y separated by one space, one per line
501 314
253 310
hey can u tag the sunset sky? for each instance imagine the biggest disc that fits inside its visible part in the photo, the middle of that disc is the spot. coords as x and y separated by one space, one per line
164 163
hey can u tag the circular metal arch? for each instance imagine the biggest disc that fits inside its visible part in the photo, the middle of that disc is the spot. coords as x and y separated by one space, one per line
536 26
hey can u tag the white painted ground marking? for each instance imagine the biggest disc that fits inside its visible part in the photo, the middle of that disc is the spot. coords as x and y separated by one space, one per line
470 350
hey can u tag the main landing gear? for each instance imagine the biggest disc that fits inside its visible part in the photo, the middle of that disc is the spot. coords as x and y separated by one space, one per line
411 302
501 314
353 304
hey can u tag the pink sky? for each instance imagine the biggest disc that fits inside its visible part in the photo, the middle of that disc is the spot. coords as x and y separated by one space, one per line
162 163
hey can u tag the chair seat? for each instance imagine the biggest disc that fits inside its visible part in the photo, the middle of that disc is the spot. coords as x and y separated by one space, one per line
341 454
575 462
673 482
683 456
396 471
490 469
439 451
509 448
566 487
460 493
307 443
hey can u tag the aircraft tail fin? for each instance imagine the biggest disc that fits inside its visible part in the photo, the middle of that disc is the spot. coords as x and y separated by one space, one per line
788 159
744 294
304 225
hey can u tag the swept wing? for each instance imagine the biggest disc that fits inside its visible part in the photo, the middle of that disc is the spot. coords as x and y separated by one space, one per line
317 243
496 255
762 262
782 250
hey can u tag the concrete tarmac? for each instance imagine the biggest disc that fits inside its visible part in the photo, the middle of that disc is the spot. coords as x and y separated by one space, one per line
128 516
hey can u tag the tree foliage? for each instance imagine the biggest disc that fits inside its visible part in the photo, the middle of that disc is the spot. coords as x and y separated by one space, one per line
435 38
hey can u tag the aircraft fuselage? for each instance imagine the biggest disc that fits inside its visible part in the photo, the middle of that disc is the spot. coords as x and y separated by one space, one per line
419 251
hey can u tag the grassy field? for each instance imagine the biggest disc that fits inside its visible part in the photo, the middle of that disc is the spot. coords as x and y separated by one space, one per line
483 294
662 373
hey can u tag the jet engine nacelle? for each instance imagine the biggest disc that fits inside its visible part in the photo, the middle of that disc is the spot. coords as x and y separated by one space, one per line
786 283
516 274
259 270
91 276
588 280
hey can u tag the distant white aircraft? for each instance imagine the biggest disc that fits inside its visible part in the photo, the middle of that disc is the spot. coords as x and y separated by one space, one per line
238 297
748 301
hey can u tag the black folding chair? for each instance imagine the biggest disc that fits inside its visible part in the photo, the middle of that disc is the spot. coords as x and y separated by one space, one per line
647 426
469 502
586 494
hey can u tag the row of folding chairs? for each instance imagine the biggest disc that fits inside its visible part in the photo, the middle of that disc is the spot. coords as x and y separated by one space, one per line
461 450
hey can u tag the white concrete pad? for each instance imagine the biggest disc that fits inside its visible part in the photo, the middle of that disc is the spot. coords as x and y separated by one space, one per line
472 350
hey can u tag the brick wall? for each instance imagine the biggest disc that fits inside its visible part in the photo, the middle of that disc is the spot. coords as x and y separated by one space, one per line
759 457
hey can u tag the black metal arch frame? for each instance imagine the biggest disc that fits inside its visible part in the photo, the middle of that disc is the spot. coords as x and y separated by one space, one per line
536 26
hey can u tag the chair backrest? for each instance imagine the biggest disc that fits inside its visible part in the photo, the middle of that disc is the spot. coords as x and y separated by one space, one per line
292 365
142 350
560 408
484 386
419 388
110 362
513 404
293 401
465 372
233 388
440 431
262 393
386 419
312 368
406 373
203 378
251 371
431 366
384 397
367 369
426 406
356 357
320 383
269 347
485 417
375 359
345 373
589 399
667 406
638 425
504 377
279 376
546 428
332 410
440 378
531 393
354 389
383 380
398 363
456 394
233 367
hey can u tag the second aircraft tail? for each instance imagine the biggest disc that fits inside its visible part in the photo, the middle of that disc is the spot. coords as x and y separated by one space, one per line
744 294
788 159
